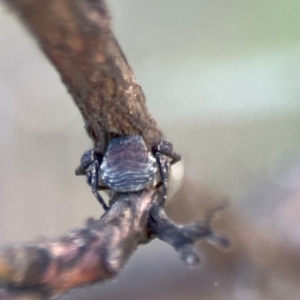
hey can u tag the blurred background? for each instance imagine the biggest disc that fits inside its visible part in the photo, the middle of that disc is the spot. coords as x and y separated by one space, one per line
222 80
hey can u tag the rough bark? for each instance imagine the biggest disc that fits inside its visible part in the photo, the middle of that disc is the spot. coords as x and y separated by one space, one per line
99 250
76 36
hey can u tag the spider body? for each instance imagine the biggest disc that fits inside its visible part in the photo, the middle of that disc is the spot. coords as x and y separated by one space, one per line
127 166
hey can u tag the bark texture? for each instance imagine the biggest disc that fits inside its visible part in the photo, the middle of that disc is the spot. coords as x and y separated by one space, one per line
76 36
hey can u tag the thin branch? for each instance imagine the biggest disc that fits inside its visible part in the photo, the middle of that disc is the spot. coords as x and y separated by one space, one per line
76 37
95 252
184 237
99 250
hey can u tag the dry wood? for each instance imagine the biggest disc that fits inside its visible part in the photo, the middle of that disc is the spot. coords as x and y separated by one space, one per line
99 250
75 35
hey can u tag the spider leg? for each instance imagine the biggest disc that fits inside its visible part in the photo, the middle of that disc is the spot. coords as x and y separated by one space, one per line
93 180
166 148
89 166
86 160
164 167
163 150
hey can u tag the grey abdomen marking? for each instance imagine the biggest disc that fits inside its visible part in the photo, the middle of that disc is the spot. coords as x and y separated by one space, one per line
128 165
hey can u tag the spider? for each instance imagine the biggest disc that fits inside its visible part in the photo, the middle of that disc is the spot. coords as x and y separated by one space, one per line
127 166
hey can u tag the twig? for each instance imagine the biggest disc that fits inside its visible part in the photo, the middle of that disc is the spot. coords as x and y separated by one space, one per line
95 252
76 37
184 237
99 250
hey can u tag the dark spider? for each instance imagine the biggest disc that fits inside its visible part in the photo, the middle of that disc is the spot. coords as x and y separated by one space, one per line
127 166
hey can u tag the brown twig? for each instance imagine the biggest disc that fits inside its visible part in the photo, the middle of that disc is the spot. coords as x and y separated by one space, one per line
99 250
95 252
76 37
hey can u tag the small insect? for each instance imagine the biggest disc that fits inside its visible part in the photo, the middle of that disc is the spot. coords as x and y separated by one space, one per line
127 166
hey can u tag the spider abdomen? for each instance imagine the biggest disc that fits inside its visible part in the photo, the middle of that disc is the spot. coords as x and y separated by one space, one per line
128 165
